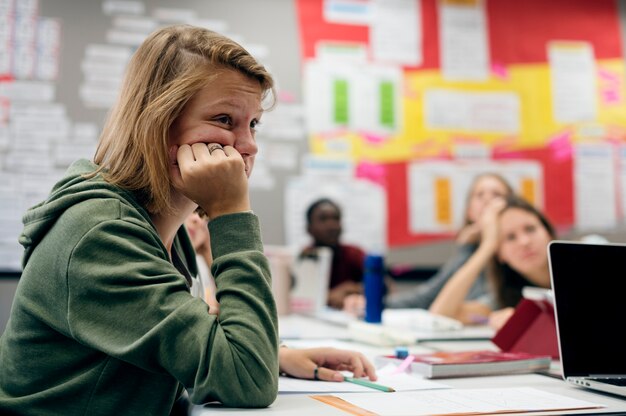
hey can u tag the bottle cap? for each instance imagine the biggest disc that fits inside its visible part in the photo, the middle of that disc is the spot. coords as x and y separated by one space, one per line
374 261
402 352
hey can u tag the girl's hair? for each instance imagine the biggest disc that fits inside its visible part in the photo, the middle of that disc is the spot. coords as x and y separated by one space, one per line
498 177
317 203
169 67
507 282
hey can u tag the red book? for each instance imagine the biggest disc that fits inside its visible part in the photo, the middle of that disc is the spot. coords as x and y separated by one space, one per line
531 329
471 363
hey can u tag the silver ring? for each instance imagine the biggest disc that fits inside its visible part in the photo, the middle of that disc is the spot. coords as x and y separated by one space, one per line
215 146
315 375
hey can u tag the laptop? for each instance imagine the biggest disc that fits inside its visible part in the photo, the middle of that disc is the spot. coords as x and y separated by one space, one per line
589 288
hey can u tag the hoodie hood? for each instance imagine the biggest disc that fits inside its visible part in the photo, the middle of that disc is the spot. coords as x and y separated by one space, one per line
72 189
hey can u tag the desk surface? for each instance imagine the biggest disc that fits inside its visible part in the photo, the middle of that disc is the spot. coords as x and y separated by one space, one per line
323 333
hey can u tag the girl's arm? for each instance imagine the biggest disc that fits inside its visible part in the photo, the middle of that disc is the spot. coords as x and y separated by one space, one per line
451 300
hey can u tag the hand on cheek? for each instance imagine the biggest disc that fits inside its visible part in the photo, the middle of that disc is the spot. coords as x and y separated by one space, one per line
213 177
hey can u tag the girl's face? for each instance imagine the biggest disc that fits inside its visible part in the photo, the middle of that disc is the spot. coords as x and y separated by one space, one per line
484 190
225 112
198 231
523 243
325 226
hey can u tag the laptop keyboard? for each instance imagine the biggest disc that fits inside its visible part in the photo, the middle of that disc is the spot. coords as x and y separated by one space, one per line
613 381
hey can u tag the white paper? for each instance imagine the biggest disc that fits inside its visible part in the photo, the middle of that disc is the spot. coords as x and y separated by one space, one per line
326 168
464 41
37 110
85 132
259 51
471 151
334 51
285 122
11 211
399 382
368 105
262 178
352 12
490 112
219 26
107 53
26 7
66 153
27 91
7 21
465 401
28 161
396 32
112 68
97 96
279 155
48 49
141 24
49 33
320 96
6 56
573 77
24 56
430 212
25 31
113 7
124 37
174 14
595 201
5 110
49 127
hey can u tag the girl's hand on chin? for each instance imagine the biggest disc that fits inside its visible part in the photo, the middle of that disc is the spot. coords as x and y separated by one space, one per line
214 177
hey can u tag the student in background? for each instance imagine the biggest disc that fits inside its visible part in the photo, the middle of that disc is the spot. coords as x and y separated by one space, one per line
204 284
323 219
484 188
513 248
103 321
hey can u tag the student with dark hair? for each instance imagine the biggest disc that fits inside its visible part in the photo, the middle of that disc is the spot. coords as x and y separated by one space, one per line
323 218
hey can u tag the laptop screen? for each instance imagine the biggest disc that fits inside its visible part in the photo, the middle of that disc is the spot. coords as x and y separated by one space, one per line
589 284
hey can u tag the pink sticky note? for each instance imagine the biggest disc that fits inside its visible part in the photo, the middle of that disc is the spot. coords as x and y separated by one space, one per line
607 75
286 97
611 96
561 146
499 71
374 138
372 171
404 365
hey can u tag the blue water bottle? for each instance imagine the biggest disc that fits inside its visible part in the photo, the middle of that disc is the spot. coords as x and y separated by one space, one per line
374 288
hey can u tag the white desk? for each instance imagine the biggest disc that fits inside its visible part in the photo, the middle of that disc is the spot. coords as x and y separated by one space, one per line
303 327
313 332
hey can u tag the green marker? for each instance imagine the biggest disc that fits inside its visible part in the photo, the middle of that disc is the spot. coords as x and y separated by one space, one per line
369 384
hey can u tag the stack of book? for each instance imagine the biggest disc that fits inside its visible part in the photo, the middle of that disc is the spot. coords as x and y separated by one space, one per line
470 363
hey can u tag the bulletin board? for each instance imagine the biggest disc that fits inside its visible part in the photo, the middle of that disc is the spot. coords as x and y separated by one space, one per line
55 93
531 89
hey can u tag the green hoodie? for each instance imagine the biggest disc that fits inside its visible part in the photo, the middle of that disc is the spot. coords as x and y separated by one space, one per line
103 323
